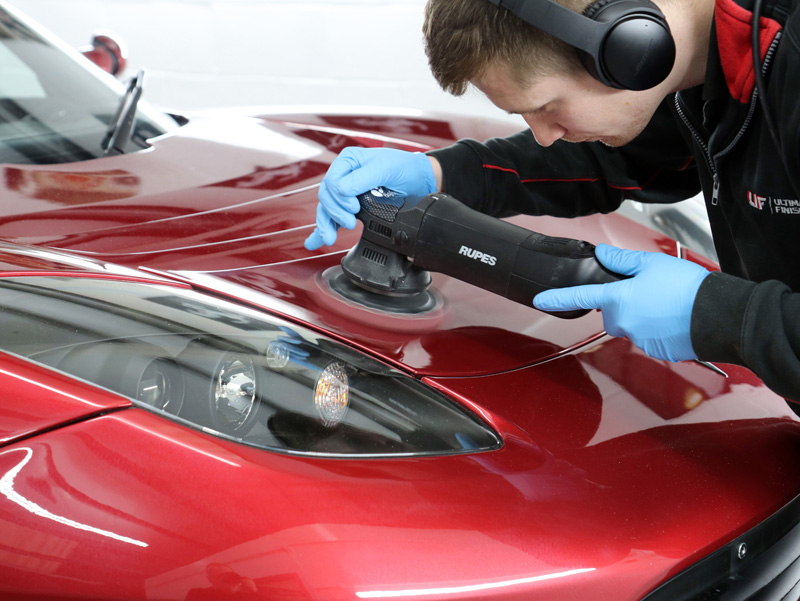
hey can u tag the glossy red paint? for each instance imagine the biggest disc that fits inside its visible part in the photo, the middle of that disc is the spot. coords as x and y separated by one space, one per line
616 471
233 215
476 334
39 400
610 459
577 496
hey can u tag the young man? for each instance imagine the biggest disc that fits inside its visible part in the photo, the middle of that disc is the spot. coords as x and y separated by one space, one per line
590 145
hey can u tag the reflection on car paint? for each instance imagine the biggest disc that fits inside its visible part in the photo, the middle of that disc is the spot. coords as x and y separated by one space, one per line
65 187
8 490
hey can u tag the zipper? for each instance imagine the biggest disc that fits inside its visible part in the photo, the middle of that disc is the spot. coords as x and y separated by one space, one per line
702 144
712 160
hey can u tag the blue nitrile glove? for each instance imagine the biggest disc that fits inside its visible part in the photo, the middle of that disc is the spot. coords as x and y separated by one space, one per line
358 170
653 308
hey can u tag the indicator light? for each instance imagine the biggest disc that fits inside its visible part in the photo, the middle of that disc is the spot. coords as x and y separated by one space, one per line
332 394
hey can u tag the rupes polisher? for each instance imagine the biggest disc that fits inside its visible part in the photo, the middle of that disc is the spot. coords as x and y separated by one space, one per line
406 237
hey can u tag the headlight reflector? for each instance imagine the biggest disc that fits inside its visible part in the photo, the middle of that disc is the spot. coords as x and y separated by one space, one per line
234 392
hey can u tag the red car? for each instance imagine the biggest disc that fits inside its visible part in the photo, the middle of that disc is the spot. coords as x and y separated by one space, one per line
190 411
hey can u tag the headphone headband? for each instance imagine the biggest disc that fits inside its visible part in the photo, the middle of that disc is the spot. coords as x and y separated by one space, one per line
624 44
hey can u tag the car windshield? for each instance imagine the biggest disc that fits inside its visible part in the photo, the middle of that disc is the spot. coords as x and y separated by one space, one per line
55 106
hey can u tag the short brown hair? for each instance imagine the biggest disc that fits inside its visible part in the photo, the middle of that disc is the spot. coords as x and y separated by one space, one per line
465 37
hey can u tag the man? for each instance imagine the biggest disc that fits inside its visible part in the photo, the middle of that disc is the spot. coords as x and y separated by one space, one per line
590 145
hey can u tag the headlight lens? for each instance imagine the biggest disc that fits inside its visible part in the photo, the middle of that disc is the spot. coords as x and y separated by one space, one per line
231 370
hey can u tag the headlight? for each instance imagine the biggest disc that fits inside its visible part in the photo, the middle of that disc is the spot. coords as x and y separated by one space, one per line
329 399
232 371
307 394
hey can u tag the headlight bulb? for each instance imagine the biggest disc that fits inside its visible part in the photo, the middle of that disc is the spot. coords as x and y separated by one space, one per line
332 394
235 392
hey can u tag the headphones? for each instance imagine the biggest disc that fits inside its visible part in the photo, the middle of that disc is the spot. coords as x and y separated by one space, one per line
625 44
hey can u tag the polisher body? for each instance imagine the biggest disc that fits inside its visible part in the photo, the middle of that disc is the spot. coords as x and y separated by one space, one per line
405 237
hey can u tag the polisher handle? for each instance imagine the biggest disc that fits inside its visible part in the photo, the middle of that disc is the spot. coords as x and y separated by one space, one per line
439 233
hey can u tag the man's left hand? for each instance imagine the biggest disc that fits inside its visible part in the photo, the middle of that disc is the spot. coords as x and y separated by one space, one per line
653 308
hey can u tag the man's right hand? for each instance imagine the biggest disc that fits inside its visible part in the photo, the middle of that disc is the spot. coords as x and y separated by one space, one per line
358 170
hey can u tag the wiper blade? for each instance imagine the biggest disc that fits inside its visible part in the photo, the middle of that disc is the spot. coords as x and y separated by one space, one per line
121 126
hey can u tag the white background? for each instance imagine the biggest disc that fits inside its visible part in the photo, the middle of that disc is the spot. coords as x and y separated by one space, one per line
215 53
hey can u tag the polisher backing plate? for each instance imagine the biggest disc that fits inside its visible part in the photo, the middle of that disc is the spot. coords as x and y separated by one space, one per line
410 313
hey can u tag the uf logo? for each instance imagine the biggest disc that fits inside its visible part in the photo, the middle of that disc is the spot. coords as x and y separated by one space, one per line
755 200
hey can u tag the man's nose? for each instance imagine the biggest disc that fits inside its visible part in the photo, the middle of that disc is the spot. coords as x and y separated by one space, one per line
545 131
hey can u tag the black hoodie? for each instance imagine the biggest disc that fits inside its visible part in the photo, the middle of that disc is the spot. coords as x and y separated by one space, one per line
713 136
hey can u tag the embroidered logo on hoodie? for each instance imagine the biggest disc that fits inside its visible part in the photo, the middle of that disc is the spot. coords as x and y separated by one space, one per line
776 206
754 200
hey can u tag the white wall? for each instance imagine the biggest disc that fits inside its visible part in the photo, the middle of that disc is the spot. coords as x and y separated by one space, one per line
212 53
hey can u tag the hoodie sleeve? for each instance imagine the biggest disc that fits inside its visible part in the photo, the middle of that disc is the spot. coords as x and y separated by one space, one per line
505 176
756 325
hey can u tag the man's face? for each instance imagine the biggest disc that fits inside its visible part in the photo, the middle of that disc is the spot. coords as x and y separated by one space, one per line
577 108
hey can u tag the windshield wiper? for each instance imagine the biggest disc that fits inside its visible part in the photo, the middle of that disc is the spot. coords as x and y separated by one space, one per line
121 126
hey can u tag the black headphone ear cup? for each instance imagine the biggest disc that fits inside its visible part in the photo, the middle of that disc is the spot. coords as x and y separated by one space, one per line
638 52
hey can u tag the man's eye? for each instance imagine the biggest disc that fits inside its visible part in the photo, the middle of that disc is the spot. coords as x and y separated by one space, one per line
539 111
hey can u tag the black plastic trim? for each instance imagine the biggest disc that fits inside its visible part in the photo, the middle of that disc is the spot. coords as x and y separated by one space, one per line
768 569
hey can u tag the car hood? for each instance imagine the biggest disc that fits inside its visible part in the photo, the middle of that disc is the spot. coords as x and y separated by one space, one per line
227 201
607 454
